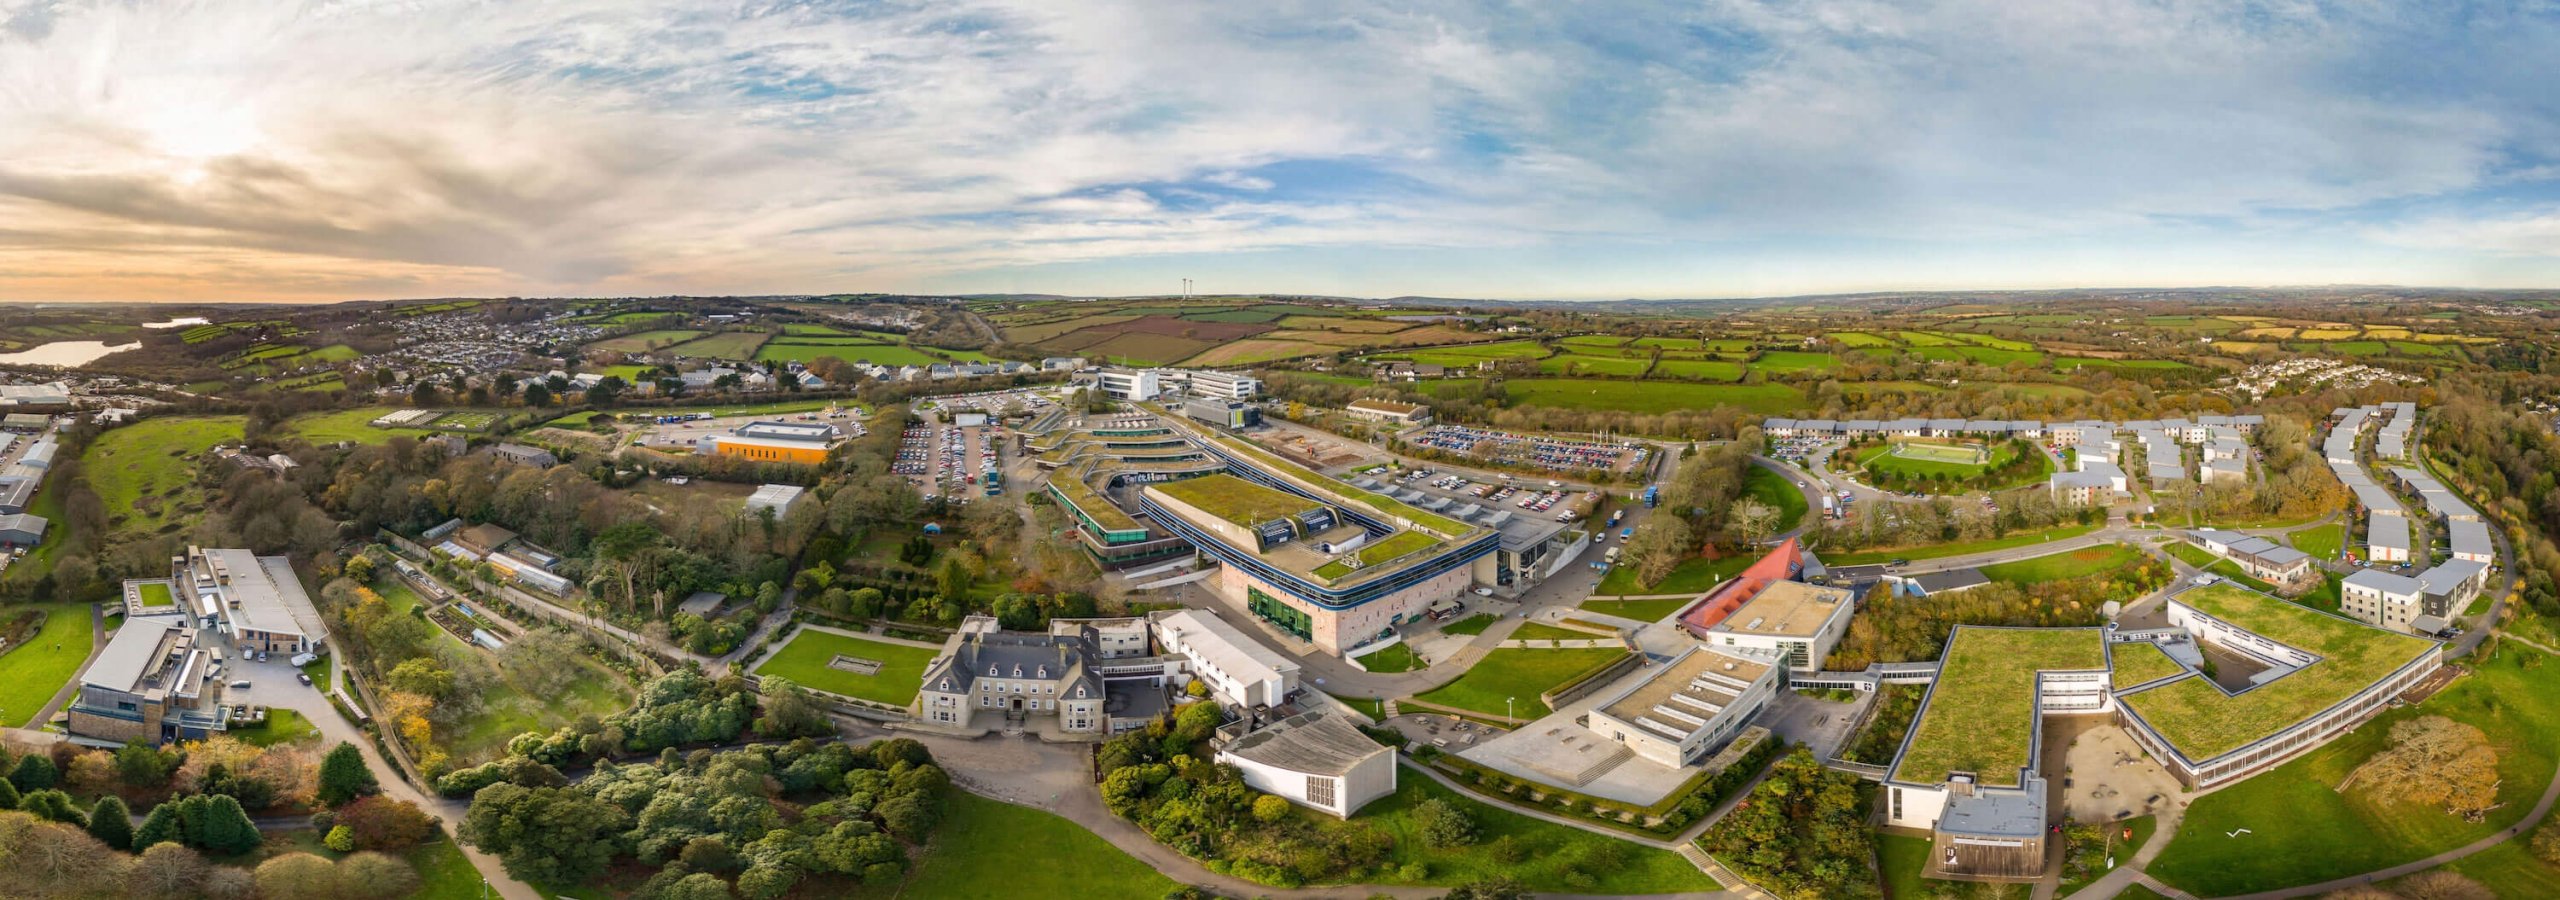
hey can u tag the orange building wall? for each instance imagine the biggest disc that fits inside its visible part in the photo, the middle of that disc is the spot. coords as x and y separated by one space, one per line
808 455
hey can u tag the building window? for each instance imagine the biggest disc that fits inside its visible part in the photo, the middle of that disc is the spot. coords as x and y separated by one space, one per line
1320 791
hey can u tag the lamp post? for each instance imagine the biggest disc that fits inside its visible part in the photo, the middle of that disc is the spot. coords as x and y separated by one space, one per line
1506 712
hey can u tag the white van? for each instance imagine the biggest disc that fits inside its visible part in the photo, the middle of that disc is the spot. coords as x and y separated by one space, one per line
305 659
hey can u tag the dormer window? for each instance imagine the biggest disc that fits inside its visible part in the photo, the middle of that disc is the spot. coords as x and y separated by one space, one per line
991 670
1042 672
1017 670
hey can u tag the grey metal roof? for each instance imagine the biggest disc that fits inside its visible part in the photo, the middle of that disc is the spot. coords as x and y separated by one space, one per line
130 654
1314 743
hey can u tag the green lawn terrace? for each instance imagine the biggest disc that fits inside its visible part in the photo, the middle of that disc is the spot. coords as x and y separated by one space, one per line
2339 670
1980 715
1236 500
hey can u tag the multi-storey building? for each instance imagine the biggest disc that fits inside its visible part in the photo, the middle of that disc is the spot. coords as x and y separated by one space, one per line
155 682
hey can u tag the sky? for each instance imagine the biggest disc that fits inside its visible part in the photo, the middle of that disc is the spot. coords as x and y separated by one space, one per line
359 149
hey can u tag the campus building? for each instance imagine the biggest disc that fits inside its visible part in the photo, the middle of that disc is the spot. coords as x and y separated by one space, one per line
1967 769
155 682
1315 760
985 674
1125 384
789 442
1239 670
257 601
2262 559
1224 385
1688 708
1769 610
1388 411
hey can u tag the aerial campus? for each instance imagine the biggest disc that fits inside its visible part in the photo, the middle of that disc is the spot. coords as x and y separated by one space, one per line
680 450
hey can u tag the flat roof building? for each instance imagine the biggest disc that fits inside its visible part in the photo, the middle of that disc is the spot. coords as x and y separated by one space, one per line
1683 711
154 683
1240 671
775 498
259 601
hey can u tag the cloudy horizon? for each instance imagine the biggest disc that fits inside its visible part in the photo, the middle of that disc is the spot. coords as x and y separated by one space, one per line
246 150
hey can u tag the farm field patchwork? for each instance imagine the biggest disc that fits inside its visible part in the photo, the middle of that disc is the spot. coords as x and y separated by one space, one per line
1652 397
724 345
645 341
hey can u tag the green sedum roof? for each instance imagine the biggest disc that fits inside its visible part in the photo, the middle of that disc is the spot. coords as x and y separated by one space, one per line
1980 714
2195 716
2141 662
1237 500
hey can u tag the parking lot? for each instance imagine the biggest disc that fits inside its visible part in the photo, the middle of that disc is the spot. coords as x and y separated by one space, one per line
1521 496
1443 731
951 460
1548 452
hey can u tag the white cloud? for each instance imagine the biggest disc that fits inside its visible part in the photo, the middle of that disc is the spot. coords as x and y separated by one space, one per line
596 146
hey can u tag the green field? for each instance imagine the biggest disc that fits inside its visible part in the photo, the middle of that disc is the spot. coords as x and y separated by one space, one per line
1652 396
1960 548
805 659
2067 564
643 342
1701 369
1573 364
1519 674
1785 361
724 345
348 425
1759 483
145 472
2068 363
1397 657
155 595
1639 610
1470 354
786 350
283 726
2322 542
2509 869
31 672
1858 339
1691 576
2303 830
976 854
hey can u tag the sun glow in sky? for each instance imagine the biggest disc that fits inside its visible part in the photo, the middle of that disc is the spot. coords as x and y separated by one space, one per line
333 149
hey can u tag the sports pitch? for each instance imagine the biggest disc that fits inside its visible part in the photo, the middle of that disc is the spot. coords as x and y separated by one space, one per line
1950 454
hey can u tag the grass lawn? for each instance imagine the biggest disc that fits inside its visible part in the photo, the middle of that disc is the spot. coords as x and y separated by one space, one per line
805 659
348 425
1693 576
1639 610
1475 624
2510 869
1934 551
284 726
976 854
877 354
145 472
1520 674
155 595
1781 494
323 672
2302 830
507 711
1398 657
1540 631
1649 396
1561 859
444 873
31 672
2322 542
2122 847
2067 564
2192 555
1902 858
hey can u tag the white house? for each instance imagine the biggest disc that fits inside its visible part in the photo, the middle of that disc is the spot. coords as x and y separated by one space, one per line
1315 760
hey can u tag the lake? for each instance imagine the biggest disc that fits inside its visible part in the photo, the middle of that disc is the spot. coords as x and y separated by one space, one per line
64 353
179 323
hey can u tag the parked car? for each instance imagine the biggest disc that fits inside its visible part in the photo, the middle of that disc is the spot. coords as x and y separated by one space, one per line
305 676
239 685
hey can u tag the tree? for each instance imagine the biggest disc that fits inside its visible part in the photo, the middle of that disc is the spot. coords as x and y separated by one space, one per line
111 822
142 765
2436 761
1495 888
8 795
35 772
52 806
341 839
375 875
2546 841
344 775
297 876
166 872
552 835
161 826
790 711
1270 808
424 676
2444 885
382 823
61 859
1752 520
1659 545
227 829
537 395
1444 825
